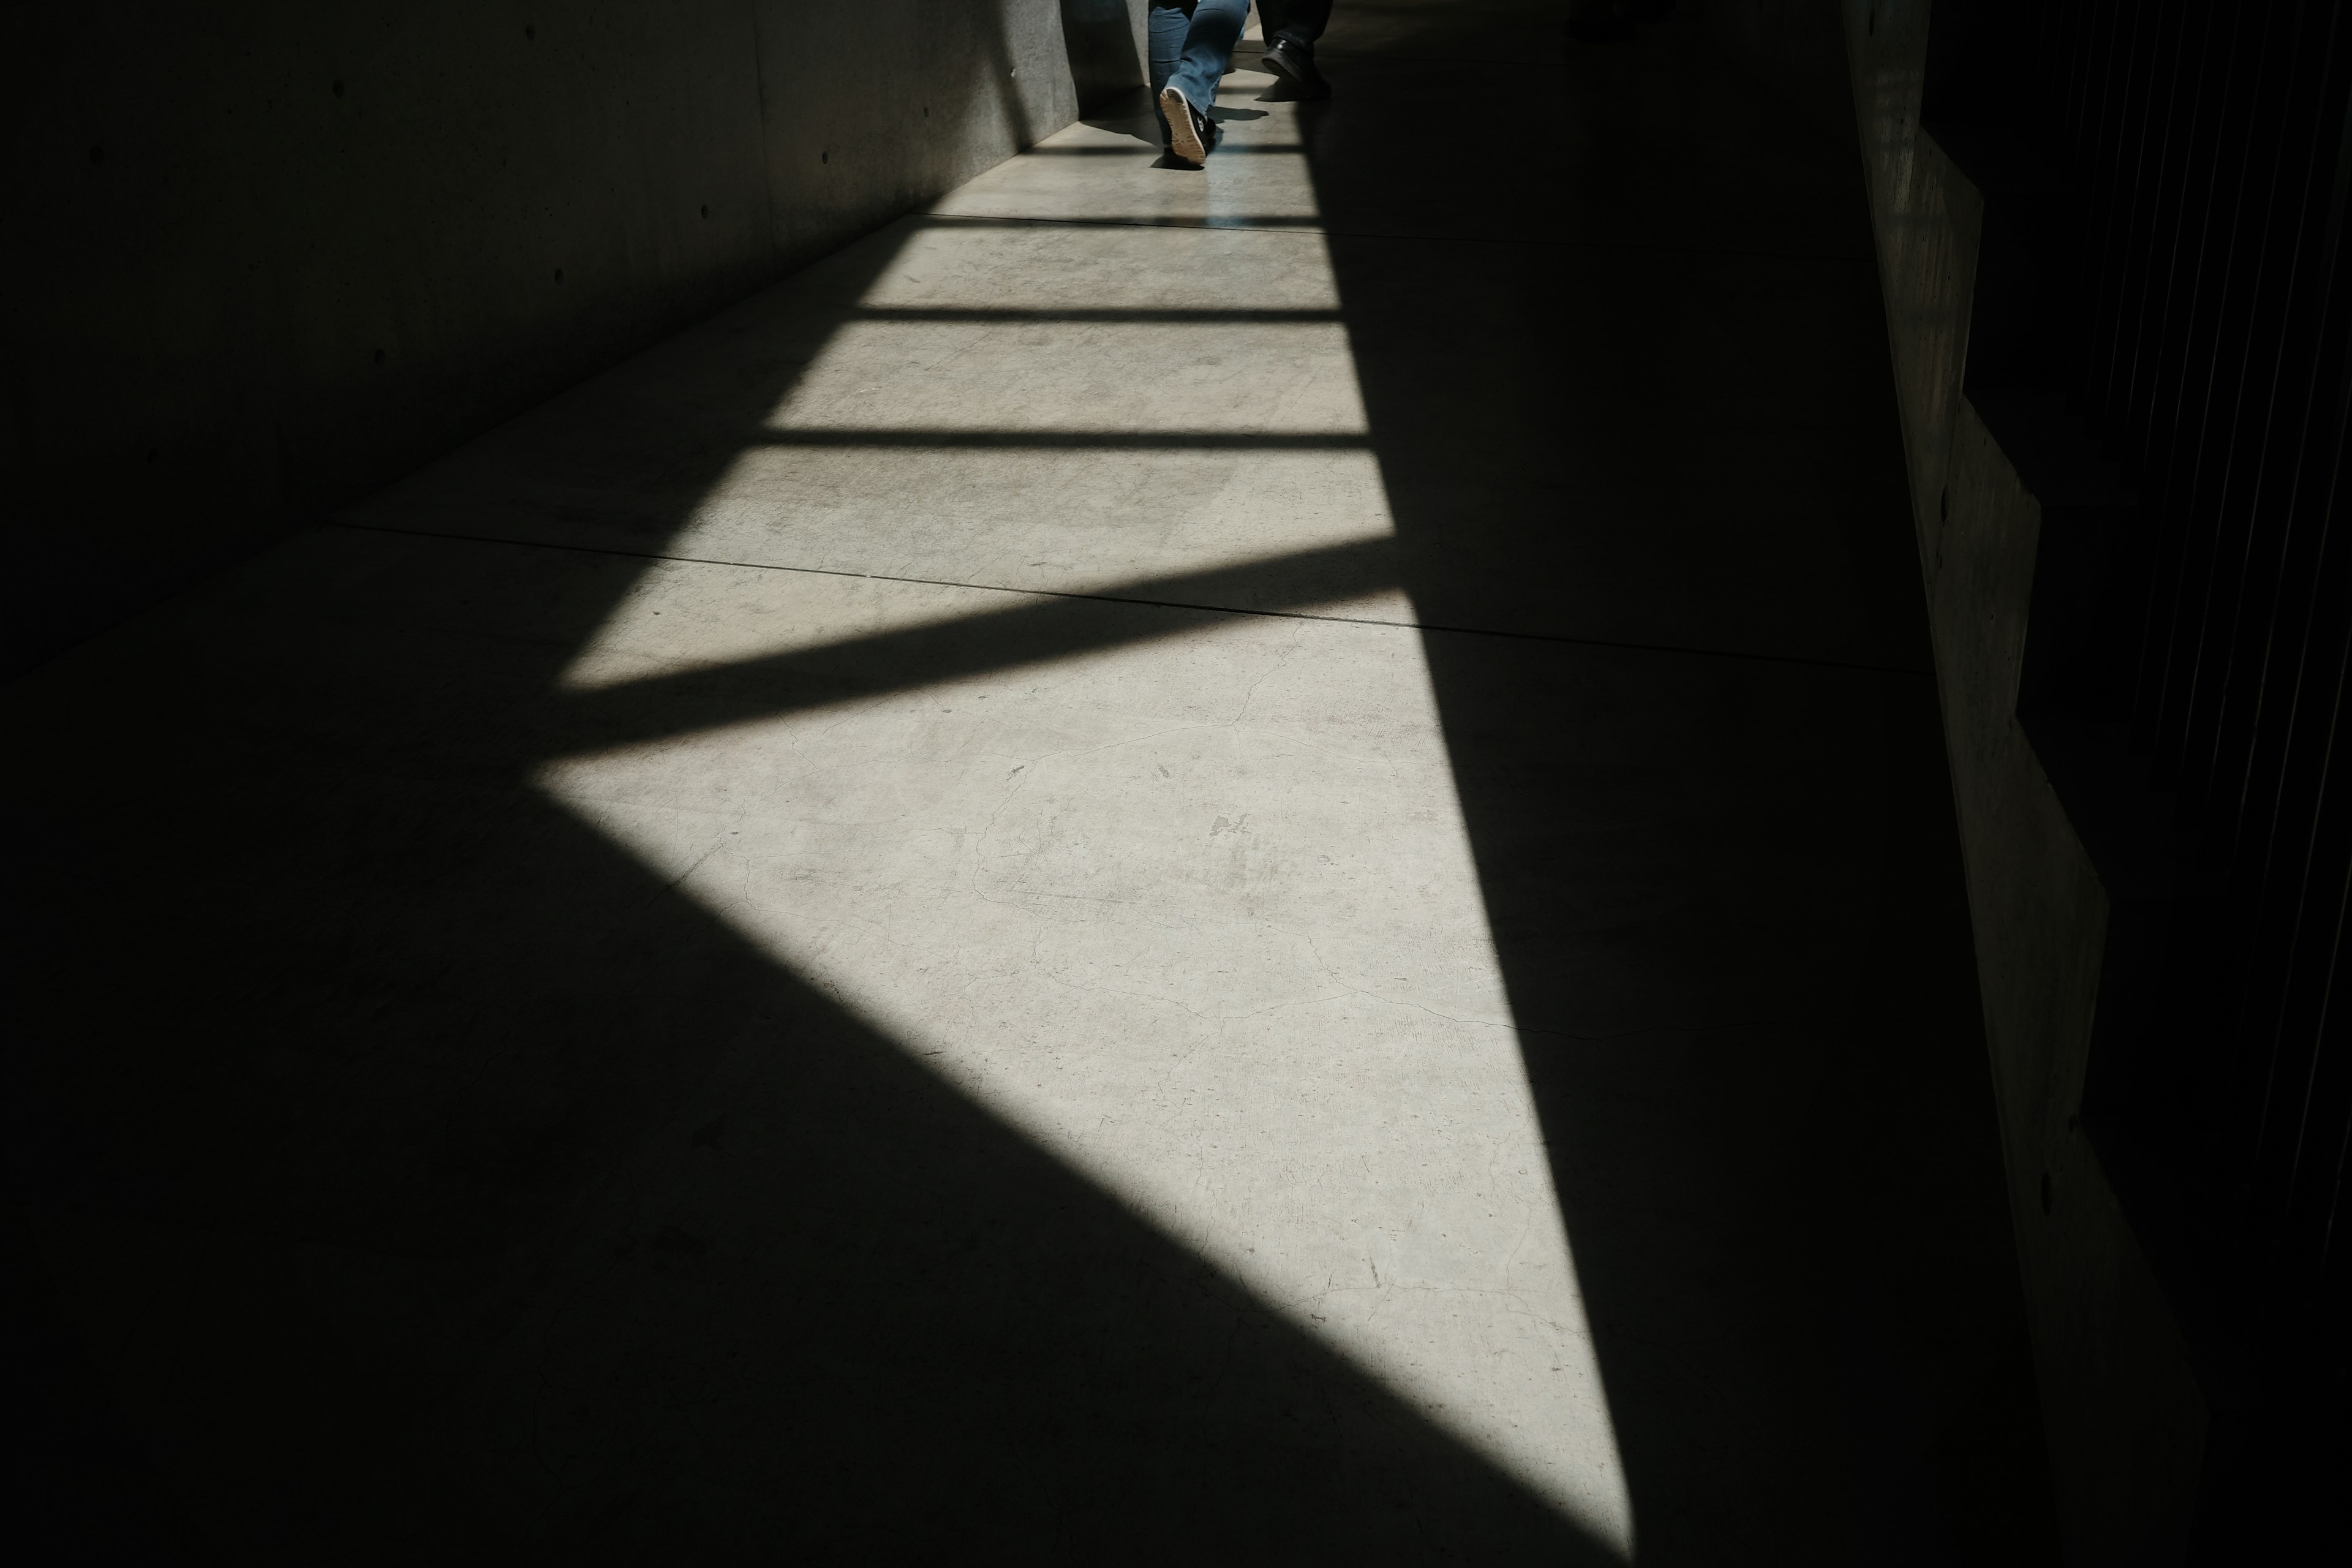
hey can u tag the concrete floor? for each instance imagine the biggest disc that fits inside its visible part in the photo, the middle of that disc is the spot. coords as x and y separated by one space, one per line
1166 865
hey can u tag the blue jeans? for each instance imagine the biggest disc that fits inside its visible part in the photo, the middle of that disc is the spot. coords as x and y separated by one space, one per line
1191 43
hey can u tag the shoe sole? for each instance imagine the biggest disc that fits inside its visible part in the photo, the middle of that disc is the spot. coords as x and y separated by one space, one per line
1182 139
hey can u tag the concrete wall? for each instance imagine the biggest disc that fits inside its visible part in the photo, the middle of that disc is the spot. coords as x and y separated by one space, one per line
266 254
2123 1409
2124 1412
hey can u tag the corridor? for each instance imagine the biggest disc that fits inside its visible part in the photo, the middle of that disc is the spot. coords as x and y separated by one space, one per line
1165 866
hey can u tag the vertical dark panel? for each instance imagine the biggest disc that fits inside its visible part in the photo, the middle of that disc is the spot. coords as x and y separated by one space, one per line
2200 153
2285 348
2198 263
2155 248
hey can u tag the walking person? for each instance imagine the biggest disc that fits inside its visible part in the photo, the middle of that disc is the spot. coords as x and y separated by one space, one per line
1191 44
1291 29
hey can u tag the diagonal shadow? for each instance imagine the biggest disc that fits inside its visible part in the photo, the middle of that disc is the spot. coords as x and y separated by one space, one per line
1027 633
1794 1241
842 1306
347 1044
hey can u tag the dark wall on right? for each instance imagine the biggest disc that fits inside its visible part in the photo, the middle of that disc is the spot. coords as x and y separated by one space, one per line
2111 244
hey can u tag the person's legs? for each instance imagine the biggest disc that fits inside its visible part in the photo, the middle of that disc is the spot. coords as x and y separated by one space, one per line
1291 29
1191 43
1297 23
1216 27
1169 20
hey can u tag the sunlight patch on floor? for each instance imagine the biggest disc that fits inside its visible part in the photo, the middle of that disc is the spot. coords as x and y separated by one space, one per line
1185 896
1199 915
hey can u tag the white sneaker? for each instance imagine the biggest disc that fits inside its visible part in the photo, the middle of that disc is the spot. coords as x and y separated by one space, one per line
1185 137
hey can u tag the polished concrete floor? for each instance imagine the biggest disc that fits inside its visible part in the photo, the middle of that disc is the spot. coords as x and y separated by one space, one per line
1165 866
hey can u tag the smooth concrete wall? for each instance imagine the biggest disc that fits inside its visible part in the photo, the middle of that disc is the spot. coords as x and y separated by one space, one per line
265 256
2122 1410
2124 1413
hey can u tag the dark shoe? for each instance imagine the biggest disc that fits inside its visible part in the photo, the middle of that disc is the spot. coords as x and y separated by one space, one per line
1297 66
1190 135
